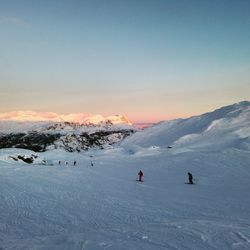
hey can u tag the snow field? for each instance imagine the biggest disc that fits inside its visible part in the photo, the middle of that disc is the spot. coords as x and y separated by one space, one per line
103 207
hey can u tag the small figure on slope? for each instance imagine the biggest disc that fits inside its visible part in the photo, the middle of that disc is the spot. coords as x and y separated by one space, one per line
74 163
140 175
190 178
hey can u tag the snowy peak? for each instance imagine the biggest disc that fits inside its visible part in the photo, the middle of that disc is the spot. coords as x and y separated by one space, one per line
99 119
81 118
118 119
230 116
229 111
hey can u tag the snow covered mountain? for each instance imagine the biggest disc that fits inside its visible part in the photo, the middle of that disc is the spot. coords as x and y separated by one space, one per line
84 119
225 127
41 135
49 202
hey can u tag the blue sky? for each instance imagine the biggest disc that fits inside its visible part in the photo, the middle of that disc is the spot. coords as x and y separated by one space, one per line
149 60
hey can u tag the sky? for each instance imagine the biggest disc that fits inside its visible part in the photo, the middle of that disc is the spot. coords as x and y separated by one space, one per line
150 60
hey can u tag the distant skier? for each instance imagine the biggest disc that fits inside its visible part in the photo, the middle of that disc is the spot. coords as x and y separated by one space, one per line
190 178
92 164
59 162
66 163
140 175
74 163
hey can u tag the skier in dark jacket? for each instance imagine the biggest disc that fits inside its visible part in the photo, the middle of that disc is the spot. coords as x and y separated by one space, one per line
140 174
190 178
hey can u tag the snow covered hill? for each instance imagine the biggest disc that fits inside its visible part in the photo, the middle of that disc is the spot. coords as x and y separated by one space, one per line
98 204
226 127
21 156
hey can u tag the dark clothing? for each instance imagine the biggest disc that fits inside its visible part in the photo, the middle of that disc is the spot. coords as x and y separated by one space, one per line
140 174
190 178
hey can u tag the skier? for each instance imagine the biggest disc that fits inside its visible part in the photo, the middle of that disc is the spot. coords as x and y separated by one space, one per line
190 178
59 162
92 164
140 174
74 163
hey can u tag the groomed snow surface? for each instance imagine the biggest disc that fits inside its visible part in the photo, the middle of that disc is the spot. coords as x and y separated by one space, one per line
62 206
104 207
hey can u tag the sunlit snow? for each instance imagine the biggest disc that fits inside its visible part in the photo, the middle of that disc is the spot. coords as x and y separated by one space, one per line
57 205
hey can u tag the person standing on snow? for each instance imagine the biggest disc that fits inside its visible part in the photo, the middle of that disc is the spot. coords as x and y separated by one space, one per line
140 174
190 178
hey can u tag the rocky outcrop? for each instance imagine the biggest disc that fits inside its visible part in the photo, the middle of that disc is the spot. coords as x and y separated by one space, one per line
37 142
72 142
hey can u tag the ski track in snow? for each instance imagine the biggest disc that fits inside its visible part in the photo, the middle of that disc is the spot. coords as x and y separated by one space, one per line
103 207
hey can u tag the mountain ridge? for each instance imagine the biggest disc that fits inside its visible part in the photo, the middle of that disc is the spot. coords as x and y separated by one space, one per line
229 123
70 136
81 118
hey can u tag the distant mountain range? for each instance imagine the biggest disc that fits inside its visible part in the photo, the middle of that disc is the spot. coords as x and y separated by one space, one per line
225 127
84 119
35 131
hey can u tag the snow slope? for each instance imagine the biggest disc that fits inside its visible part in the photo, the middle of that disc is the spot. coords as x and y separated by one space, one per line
103 207
226 127
61 206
